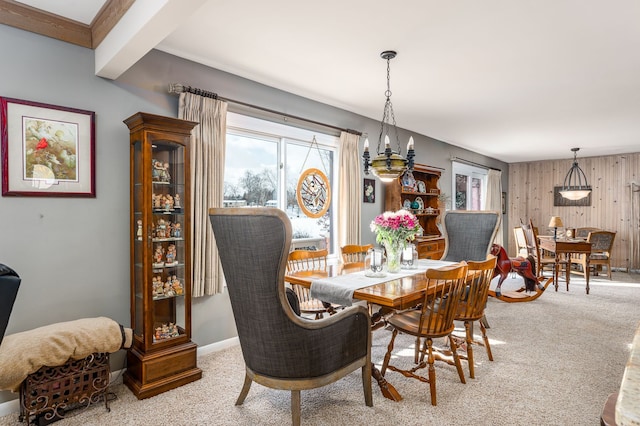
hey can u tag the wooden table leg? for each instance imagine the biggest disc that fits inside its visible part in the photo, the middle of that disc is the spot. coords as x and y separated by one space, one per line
555 271
387 389
568 270
587 272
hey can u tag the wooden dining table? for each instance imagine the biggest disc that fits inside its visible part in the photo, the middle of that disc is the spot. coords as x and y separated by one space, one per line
392 294
564 248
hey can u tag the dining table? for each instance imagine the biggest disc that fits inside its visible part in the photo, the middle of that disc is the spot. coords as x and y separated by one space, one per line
564 248
390 291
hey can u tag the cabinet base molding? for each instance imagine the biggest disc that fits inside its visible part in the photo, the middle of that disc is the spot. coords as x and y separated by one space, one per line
150 374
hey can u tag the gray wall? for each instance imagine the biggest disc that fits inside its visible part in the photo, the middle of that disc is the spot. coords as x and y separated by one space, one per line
73 254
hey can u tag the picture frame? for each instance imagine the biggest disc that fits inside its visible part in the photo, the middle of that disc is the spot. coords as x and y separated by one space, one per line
369 191
504 203
47 150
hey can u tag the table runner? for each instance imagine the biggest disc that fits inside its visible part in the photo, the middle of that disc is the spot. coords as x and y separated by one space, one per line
340 289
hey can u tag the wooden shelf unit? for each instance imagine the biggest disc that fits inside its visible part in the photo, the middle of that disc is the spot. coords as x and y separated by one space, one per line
431 244
162 355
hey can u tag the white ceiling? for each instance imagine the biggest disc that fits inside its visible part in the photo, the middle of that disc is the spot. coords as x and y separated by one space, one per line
515 80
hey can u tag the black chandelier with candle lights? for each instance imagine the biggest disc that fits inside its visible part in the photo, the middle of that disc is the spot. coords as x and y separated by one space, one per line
388 164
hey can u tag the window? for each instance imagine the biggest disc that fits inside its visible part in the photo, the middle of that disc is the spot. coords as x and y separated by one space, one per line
263 163
469 187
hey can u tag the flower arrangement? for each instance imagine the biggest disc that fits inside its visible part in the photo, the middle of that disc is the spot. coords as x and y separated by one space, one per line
393 229
396 226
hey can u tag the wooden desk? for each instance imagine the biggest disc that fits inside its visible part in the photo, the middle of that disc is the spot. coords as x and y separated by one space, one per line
565 247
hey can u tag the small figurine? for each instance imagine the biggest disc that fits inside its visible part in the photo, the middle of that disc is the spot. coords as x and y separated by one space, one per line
176 230
139 232
157 174
158 255
166 177
168 202
176 202
171 255
161 229
157 201
177 285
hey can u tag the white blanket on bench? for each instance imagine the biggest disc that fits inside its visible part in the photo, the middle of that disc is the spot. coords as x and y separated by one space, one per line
53 345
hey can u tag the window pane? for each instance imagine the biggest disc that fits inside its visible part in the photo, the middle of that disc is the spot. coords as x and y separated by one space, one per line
476 194
251 171
461 192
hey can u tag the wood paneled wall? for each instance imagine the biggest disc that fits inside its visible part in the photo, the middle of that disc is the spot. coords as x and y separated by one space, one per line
530 195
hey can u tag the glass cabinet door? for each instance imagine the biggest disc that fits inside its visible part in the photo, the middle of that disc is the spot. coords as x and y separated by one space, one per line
168 262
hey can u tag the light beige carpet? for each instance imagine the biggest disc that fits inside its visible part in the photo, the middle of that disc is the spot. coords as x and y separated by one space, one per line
556 361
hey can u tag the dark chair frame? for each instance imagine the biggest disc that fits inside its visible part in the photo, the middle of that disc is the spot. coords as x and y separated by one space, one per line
9 285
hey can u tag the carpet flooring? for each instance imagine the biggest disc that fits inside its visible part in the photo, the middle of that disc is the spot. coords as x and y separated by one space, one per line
556 361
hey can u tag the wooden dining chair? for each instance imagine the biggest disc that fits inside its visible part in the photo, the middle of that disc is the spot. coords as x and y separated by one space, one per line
435 319
354 254
584 232
309 260
472 306
543 258
521 242
601 246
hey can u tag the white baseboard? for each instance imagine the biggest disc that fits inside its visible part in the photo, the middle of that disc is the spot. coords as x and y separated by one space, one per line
13 406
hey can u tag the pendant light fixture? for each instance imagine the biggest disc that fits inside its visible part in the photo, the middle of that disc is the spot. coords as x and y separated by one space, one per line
388 164
575 186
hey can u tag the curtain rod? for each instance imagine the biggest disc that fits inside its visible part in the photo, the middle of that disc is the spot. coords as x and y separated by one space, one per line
180 88
473 163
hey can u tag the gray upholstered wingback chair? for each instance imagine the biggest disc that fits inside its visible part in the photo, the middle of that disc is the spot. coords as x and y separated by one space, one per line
469 234
282 350
9 284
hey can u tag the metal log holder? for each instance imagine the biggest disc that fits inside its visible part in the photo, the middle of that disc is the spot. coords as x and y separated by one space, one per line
49 393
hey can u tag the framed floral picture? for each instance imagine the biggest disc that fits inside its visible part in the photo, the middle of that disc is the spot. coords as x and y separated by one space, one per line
47 150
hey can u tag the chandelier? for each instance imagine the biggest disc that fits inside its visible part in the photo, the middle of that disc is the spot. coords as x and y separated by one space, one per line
389 164
575 186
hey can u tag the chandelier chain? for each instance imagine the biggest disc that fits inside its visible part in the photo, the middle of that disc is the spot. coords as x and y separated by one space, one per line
388 115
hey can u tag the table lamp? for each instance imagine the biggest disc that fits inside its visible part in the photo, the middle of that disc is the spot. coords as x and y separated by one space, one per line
555 223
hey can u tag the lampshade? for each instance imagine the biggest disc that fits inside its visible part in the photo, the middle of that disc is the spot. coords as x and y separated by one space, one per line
555 222
575 186
388 164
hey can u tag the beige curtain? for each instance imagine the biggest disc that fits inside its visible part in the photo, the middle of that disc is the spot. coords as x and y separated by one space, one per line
207 186
350 189
494 198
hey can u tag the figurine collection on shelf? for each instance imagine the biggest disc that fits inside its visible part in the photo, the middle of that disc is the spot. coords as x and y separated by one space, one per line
166 202
165 257
164 230
172 287
160 171
166 331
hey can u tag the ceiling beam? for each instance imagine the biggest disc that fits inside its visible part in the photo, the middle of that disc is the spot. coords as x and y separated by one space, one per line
44 23
107 18
145 24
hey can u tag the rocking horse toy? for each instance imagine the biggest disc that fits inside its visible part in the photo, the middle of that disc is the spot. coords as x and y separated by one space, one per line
526 268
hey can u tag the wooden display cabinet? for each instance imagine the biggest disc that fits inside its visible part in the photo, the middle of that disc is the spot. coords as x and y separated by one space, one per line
162 356
420 196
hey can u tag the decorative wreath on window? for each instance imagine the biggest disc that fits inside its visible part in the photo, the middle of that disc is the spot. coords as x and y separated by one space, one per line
313 193
314 190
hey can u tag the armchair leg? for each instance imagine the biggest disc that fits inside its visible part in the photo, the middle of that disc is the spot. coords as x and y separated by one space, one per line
245 389
295 407
366 384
